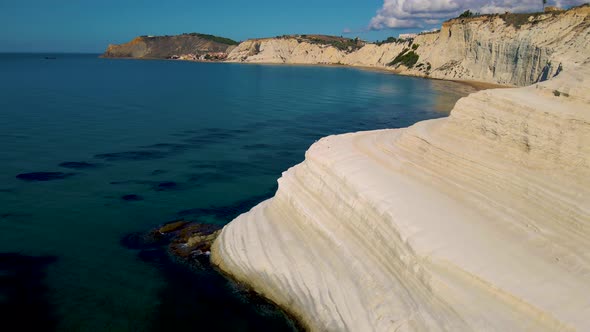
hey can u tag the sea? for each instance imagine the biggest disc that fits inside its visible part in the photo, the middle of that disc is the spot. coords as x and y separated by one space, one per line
93 150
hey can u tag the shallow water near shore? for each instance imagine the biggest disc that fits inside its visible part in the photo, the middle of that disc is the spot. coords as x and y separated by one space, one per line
94 149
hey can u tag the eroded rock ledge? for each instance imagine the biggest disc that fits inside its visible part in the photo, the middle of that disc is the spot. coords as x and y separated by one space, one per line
479 221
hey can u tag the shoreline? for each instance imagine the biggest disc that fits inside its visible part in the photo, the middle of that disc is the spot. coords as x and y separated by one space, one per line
297 322
477 85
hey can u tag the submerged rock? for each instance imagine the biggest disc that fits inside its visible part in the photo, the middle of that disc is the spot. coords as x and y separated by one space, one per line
132 197
190 242
194 241
172 226
168 185
43 176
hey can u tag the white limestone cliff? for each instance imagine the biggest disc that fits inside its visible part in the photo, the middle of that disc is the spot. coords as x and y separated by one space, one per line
475 222
482 49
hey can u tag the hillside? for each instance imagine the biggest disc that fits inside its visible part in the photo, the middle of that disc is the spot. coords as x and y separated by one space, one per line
511 49
163 47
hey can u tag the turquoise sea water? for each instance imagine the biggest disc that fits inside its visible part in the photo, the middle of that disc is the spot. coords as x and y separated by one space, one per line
181 136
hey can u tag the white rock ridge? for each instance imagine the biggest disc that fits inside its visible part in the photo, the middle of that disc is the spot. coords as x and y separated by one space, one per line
486 49
475 222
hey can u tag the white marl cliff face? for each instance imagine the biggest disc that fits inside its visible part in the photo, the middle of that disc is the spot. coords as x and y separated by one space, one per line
486 49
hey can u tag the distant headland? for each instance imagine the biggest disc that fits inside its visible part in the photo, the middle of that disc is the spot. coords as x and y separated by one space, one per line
188 46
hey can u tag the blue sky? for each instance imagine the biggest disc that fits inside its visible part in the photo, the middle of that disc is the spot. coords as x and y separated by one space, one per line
89 26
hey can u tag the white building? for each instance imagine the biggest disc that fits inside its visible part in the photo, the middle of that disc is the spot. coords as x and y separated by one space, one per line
407 35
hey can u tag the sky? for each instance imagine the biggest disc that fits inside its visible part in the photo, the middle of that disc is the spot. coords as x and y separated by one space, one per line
89 26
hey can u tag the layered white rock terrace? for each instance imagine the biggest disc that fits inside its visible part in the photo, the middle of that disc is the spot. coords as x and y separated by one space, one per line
479 221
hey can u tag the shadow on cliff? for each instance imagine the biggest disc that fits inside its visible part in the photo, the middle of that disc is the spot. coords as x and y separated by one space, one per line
194 300
24 300
196 296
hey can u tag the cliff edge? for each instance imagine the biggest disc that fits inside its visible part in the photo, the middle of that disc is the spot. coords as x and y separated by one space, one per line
475 222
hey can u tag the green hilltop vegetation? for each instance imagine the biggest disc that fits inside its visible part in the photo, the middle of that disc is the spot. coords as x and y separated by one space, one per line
341 43
407 58
164 47
213 38
514 19
390 40
217 39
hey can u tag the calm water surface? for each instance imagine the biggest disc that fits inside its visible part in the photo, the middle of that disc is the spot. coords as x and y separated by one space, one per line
222 133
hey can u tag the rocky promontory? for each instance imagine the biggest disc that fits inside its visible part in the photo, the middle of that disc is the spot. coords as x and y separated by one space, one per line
164 47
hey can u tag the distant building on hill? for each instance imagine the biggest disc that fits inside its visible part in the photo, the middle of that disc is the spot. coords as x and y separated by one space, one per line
407 35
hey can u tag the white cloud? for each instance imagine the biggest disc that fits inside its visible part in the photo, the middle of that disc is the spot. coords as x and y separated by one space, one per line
421 13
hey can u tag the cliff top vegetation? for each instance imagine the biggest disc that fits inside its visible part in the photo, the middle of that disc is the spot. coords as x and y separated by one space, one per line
407 57
341 43
213 38
217 39
390 40
513 19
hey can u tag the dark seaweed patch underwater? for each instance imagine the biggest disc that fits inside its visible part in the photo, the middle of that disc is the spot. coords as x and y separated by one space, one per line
43 176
